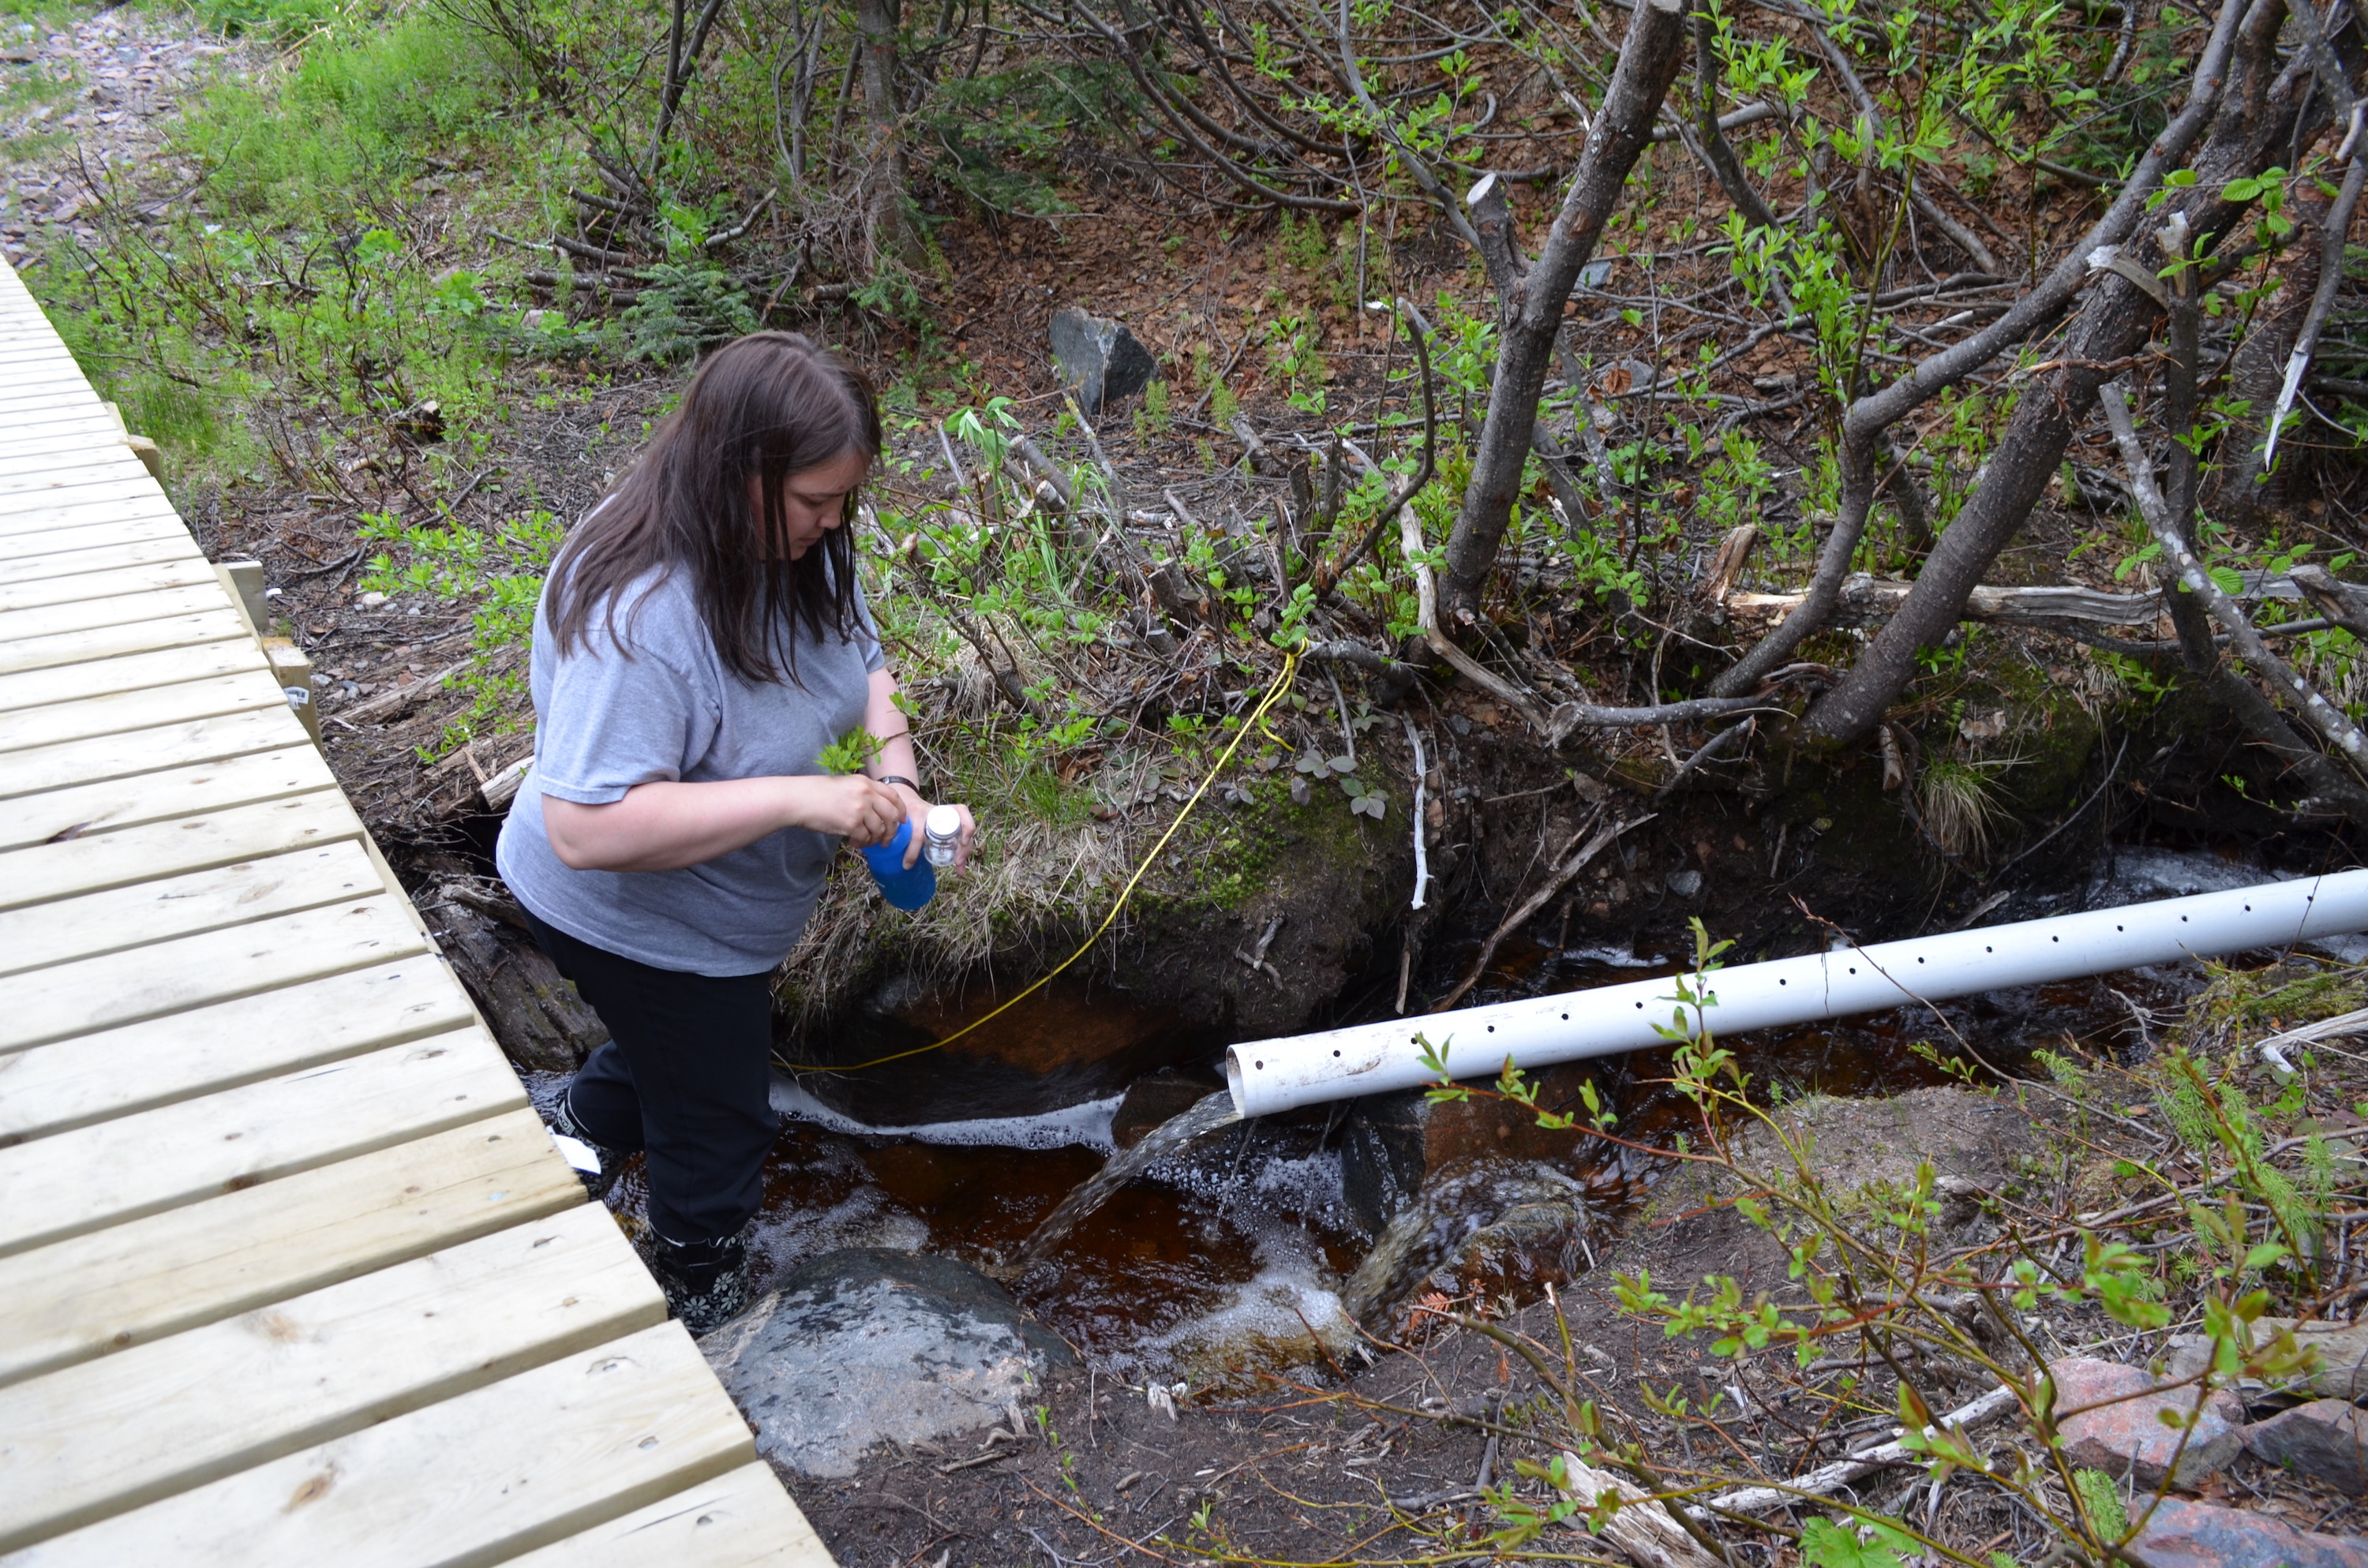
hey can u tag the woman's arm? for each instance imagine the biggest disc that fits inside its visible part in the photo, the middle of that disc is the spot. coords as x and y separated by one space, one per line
665 826
895 758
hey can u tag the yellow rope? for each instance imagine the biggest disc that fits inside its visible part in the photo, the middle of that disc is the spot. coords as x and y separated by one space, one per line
1273 695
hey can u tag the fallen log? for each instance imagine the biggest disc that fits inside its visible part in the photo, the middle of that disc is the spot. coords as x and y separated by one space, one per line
1866 599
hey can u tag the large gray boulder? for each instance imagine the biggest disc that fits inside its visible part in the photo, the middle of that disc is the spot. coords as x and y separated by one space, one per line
860 1346
1100 359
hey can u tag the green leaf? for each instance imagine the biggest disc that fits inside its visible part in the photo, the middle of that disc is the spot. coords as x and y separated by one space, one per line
1825 1544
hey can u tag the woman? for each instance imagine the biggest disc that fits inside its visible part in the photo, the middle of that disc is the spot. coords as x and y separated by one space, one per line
700 640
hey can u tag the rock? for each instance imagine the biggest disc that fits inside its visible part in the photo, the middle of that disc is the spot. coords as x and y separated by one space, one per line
1685 884
2342 1348
2323 1439
1099 358
1393 1144
1865 1150
1155 1100
2125 1435
2181 1534
859 1347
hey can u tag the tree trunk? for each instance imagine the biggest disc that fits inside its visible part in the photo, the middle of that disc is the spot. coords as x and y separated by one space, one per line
891 223
2115 321
1531 314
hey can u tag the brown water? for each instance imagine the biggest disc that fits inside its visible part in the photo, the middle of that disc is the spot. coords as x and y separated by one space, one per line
1225 1256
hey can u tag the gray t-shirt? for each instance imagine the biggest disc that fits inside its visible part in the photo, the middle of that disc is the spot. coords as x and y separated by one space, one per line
665 707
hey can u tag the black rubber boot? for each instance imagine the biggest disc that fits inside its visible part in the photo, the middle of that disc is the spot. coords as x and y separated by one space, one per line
596 1183
705 1282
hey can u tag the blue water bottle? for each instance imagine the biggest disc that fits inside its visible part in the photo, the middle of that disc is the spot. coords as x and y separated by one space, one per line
902 889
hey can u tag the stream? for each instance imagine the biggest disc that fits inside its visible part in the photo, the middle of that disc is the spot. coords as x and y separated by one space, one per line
1233 1247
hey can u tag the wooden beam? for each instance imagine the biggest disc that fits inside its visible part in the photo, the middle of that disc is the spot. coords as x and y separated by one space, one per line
86 718
80 1298
113 582
111 805
111 1434
156 523
129 752
167 864
157 909
82 615
105 677
92 1077
30 566
195 971
113 642
515 1465
116 1171
743 1518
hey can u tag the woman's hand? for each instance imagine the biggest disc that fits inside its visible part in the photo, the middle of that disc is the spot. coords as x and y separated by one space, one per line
862 811
916 811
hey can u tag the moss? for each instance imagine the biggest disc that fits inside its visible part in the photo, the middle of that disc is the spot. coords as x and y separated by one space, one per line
1236 855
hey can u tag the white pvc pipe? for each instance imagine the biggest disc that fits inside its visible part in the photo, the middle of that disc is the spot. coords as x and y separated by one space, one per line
1270 1075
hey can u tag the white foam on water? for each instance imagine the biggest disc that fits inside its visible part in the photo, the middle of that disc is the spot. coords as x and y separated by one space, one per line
1621 957
1087 1124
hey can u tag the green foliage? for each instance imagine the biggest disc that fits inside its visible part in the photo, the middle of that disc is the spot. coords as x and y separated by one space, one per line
997 138
1883 1544
2101 1495
498 575
851 753
683 309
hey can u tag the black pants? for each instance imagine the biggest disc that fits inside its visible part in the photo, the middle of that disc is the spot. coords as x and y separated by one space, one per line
684 1078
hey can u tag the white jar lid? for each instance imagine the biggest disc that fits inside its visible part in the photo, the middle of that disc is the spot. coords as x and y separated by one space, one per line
943 821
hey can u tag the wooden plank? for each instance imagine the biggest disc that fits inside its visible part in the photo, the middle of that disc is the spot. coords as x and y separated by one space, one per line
111 1172
80 1298
129 752
159 604
115 500
743 1518
146 861
495 1471
63 460
66 440
100 421
193 972
118 804
159 522
86 717
118 1072
105 677
157 909
24 566
111 1434
112 641
50 481
107 582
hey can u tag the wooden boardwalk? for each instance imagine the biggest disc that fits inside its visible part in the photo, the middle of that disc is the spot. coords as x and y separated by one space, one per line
289 1272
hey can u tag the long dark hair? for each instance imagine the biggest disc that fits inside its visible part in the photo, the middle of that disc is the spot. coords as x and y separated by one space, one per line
763 408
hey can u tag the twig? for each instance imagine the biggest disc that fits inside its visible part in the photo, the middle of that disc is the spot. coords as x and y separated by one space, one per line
2324 716
1421 858
1326 577
2322 304
1828 1479
1561 879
